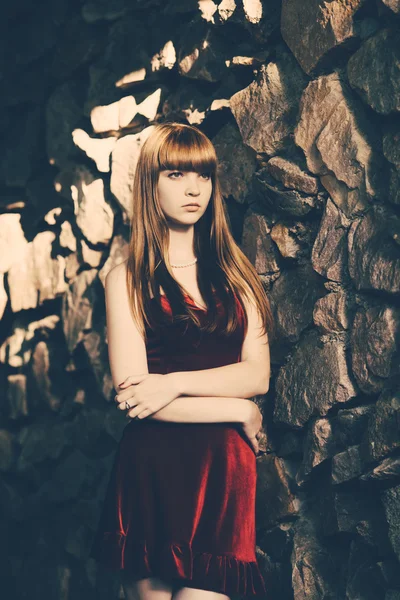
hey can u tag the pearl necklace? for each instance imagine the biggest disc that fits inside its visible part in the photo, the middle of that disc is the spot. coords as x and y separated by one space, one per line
187 264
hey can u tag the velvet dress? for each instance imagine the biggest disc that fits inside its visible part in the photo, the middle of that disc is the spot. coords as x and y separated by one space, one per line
180 503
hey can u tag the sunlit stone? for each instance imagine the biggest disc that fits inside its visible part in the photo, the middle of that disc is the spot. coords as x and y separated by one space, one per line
98 150
207 9
253 10
133 77
226 9
165 59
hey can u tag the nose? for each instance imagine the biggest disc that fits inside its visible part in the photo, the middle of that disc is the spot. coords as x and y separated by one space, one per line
192 186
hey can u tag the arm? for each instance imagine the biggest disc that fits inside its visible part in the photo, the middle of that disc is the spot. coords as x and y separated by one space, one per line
126 347
244 379
195 409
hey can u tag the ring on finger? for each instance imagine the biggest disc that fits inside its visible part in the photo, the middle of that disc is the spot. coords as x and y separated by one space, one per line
127 405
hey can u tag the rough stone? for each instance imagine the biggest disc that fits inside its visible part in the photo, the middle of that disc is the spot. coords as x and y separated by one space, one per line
98 10
334 312
67 482
16 396
21 148
374 346
123 164
94 215
124 54
36 35
328 436
374 258
387 470
391 504
364 577
354 512
314 29
265 111
201 54
338 143
301 392
63 113
42 199
292 299
313 568
96 351
3 296
390 146
257 244
292 176
86 430
347 465
383 425
12 241
41 367
329 252
98 149
36 276
67 239
77 307
16 350
285 239
394 5
114 116
235 168
30 83
40 441
275 197
89 256
77 46
374 71
273 491
8 450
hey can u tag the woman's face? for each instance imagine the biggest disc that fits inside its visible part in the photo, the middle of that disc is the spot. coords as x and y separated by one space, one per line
179 188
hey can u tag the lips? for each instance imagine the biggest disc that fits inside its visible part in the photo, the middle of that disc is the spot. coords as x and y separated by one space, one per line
192 204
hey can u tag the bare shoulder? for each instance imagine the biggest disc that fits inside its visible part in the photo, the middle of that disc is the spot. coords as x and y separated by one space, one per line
117 274
116 292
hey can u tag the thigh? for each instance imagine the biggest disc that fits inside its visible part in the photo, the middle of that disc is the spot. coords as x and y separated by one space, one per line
151 588
187 593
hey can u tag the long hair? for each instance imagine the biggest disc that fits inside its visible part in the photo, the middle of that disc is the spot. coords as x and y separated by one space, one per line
222 266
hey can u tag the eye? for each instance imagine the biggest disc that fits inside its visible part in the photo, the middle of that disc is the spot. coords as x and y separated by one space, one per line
206 175
171 175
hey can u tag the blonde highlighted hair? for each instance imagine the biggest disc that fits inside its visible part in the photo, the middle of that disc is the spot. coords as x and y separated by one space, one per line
222 266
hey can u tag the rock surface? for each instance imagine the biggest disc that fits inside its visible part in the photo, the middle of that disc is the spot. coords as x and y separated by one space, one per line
301 100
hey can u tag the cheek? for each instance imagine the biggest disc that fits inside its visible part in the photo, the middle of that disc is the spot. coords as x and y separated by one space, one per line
167 197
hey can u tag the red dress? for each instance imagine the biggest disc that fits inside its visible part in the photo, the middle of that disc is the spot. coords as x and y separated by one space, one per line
180 503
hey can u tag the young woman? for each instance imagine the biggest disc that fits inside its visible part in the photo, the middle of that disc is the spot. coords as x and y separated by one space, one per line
187 325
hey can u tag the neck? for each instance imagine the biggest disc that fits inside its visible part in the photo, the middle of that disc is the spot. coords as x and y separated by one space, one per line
181 245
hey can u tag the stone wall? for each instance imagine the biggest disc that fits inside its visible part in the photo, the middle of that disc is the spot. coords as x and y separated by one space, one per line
302 101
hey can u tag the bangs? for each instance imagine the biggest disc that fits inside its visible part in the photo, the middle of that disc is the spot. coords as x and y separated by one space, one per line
187 150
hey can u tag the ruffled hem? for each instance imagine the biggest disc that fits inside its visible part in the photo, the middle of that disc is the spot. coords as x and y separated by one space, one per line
176 561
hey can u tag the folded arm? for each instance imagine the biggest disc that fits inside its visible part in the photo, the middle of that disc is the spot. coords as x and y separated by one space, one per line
198 409
239 380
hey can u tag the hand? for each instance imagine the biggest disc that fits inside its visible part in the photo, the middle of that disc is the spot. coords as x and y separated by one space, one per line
146 394
252 427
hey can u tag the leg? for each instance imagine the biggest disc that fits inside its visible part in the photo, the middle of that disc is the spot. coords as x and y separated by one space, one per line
186 593
151 588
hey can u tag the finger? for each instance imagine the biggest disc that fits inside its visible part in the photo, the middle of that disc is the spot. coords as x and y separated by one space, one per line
133 379
125 406
124 396
133 412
